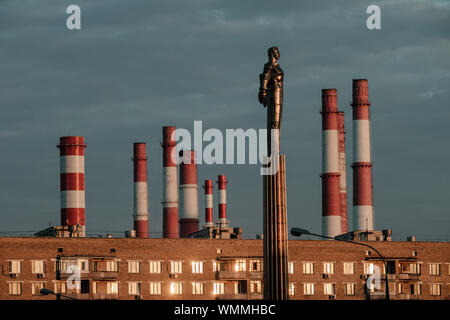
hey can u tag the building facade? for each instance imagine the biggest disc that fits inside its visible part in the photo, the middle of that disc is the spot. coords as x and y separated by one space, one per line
132 268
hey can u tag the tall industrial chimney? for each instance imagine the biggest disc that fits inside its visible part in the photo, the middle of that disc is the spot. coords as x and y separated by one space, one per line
343 174
140 190
222 185
188 194
170 184
362 162
331 211
71 150
208 203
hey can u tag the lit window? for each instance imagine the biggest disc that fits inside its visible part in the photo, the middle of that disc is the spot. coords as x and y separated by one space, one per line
349 268
328 267
113 288
349 289
218 288
36 288
291 267
255 287
71 265
369 268
435 289
291 288
83 265
176 288
155 266
197 267
255 265
37 266
134 266
15 288
134 288
155 288
197 288
240 265
435 269
176 266
308 289
328 289
414 268
15 266
215 266
308 267
416 289
60 287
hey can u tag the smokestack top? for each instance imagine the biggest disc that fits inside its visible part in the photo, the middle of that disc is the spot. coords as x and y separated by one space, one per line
222 179
139 151
360 91
71 145
167 134
208 185
329 100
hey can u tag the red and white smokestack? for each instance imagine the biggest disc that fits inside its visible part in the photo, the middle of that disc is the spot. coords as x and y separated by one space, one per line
188 194
222 185
170 184
140 190
331 211
363 218
71 150
343 173
208 203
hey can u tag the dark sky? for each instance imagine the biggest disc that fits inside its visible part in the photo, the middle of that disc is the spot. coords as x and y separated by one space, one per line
138 65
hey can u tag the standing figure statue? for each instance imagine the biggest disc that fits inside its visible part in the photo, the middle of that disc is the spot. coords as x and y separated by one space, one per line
271 93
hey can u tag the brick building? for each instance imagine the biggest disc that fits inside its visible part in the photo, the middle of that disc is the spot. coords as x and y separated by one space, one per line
131 268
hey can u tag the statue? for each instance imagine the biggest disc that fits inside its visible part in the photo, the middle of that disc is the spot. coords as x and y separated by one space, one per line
271 93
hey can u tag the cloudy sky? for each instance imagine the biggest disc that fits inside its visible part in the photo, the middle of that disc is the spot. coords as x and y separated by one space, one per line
137 65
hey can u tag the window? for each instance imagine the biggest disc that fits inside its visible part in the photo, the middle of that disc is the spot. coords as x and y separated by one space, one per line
435 289
255 287
328 289
197 288
176 288
308 267
240 287
176 266
240 265
113 288
349 289
15 266
134 266
349 268
416 289
255 265
112 266
414 268
215 266
83 264
435 269
134 288
70 265
218 288
155 266
15 288
36 288
60 287
290 267
37 266
291 288
369 268
155 288
328 267
308 289
197 267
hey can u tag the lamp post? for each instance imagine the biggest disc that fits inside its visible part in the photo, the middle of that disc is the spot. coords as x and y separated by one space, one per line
46 292
299 231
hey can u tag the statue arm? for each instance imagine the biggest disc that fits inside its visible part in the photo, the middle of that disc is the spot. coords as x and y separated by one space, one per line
263 85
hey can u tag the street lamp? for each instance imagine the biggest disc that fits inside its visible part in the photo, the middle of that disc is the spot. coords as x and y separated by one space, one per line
299 231
46 292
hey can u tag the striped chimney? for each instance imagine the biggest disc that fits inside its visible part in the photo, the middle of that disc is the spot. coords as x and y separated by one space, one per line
188 194
331 211
140 190
170 184
342 171
222 185
208 203
71 151
363 218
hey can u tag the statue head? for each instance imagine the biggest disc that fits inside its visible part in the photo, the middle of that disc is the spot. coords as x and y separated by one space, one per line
273 53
